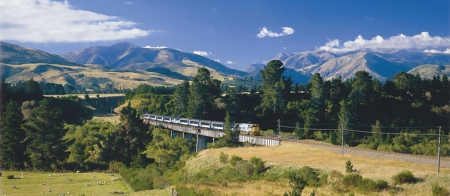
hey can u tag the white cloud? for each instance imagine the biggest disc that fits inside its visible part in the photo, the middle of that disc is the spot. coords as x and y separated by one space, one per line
377 43
265 32
41 21
155 47
217 60
201 53
230 62
128 2
437 51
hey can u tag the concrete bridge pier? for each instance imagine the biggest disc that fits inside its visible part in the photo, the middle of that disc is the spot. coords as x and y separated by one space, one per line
201 142
174 134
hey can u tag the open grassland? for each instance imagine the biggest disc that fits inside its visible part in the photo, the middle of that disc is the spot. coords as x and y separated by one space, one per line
92 183
85 75
91 95
297 155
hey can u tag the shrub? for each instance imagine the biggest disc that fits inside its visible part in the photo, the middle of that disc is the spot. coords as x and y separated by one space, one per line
348 166
297 183
234 159
439 190
258 165
309 175
351 181
223 158
244 168
10 177
402 177
357 182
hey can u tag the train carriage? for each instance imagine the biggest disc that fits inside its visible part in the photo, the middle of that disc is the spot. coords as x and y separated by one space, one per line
205 124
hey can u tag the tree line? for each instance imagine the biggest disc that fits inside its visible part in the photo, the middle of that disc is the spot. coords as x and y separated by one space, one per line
56 133
405 104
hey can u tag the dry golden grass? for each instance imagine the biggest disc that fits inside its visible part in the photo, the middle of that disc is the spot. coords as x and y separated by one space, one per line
122 80
297 155
91 95
114 119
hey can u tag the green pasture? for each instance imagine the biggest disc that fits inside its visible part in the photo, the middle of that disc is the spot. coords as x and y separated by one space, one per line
92 183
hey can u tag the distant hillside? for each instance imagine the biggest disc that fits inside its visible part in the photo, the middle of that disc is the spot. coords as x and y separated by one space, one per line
297 77
428 71
16 55
127 56
379 65
254 67
89 77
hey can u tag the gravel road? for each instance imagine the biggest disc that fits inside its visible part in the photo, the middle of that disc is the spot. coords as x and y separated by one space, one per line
445 161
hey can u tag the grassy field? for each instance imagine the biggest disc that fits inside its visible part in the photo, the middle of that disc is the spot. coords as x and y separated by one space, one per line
40 183
85 75
296 155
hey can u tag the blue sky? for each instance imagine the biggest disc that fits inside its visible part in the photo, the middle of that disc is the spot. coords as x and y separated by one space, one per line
234 32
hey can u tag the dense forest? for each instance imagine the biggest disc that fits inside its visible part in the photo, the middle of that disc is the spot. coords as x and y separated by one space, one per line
402 115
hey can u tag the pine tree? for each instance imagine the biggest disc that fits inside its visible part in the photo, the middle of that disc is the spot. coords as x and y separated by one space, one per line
180 99
203 91
274 92
12 136
130 137
45 131
316 110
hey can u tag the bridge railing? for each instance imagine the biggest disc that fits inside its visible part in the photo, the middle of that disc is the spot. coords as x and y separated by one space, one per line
282 136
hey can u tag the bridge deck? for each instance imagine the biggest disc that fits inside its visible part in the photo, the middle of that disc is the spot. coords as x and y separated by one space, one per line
258 140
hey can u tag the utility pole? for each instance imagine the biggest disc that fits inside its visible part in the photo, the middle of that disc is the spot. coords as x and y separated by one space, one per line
439 151
342 138
196 145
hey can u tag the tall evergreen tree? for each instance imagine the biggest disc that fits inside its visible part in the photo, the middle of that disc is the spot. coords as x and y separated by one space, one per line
274 88
180 99
12 149
360 97
45 131
203 91
128 139
316 110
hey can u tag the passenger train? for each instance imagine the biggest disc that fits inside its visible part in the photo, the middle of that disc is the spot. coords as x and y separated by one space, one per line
243 128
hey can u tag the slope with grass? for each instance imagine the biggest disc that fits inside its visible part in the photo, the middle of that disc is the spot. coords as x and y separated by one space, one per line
297 155
91 183
89 77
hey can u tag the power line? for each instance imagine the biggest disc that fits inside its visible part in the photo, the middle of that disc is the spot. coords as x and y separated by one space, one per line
415 127
360 131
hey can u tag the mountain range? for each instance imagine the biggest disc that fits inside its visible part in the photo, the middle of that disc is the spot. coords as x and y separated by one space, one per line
127 65
127 56
379 65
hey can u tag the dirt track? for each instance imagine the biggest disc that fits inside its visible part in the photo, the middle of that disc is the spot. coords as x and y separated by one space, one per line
445 161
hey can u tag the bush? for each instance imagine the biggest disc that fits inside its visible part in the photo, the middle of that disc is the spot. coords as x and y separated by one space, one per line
309 175
297 183
356 182
10 177
234 159
439 190
402 177
223 158
348 166
244 168
258 165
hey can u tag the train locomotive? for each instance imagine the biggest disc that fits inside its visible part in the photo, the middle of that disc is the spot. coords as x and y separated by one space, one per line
243 128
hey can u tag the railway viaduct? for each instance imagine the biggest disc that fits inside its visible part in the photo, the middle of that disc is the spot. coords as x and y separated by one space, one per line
205 135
